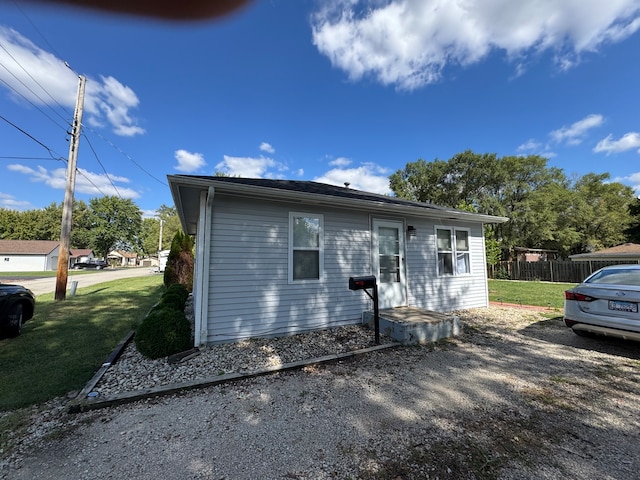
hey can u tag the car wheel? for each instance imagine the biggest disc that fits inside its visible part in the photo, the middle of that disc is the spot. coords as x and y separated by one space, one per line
15 319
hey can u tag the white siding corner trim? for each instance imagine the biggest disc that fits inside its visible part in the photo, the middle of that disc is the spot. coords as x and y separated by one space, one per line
201 280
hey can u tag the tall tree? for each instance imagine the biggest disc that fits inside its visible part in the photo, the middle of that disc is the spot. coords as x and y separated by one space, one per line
115 222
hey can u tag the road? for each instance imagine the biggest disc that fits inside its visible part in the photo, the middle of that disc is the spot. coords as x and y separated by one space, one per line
48 285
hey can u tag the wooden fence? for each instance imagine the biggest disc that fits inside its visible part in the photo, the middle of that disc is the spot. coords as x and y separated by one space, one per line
551 271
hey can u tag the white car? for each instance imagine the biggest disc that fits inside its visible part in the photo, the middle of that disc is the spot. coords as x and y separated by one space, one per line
606 303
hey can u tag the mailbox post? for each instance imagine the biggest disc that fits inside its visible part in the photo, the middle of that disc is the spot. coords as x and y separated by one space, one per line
364 283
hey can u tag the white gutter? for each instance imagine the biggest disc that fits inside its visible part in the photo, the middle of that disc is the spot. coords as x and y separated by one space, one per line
203 257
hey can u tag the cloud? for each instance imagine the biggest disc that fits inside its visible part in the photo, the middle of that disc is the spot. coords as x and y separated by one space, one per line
265 147
632 180
629 141
368 177
408 43
34 75
188 162
96 184
340 162
10 203
250 167
574 134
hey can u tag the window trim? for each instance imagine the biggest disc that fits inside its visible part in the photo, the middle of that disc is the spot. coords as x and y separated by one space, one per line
453 251
320 247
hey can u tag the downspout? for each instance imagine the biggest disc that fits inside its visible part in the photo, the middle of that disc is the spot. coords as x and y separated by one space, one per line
203 256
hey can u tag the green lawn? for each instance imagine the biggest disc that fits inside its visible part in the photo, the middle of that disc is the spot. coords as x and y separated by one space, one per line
66 342
543 294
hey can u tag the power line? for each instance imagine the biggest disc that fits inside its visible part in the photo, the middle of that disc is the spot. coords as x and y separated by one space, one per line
101 165
124 154
51 152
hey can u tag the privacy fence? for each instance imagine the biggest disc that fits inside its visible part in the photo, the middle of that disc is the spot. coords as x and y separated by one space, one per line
551 271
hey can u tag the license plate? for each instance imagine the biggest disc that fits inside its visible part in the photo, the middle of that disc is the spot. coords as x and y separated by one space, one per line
623 306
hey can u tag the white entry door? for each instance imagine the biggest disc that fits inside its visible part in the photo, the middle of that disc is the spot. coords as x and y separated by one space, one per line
388 263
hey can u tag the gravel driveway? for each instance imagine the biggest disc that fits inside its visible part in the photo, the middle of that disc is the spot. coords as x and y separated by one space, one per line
517 396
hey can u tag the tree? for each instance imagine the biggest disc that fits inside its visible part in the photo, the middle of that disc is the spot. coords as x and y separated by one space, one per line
179 267
115 222
150 233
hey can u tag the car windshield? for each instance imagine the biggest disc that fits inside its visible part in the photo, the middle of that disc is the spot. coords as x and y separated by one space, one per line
616 277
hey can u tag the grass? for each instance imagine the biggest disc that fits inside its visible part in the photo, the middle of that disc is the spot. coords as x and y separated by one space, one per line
543 294
66 342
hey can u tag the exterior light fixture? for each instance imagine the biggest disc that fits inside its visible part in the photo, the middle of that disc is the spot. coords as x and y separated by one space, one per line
411 231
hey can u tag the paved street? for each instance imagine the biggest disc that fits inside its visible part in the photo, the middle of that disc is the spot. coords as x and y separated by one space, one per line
48 285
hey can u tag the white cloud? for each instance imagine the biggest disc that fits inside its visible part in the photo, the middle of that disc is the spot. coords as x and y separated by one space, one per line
43 79
408 43
632 180
9 202
340 162
266 147
250 167
530 146
188 162
300 172
368 177
629 141
89 183
574 134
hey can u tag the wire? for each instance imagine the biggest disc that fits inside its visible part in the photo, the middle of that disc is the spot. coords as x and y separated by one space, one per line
26 158
28 88
101 165
51 152
124 154
91 182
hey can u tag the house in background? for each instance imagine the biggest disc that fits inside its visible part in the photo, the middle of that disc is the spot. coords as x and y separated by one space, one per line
274 257
28 255
524 254
627 252
80 255
120 258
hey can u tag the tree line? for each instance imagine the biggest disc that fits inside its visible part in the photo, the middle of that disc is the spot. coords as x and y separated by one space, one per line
102 225
546 208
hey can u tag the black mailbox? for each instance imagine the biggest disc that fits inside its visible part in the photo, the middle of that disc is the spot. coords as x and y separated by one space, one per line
361 283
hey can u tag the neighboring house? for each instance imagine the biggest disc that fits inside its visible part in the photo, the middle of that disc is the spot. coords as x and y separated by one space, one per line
80 255
524 254
274 257
627 252
28 255
121 258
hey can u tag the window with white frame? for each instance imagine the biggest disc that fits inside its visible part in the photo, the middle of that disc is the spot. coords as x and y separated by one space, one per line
306 247
454 257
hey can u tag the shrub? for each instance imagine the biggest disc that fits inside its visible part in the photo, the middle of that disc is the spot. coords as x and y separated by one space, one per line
179 289
179 268
163 332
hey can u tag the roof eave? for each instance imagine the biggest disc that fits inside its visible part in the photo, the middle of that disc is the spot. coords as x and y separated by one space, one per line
178 182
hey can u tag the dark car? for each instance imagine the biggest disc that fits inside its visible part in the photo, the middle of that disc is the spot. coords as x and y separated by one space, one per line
17 304
93 264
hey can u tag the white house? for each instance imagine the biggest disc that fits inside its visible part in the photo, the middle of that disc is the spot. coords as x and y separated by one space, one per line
28 255
274 257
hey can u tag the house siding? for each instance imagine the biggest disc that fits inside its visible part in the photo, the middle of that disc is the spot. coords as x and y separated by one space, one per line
249 291
444 293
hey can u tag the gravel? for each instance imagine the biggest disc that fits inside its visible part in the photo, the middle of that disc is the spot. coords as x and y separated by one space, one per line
516 396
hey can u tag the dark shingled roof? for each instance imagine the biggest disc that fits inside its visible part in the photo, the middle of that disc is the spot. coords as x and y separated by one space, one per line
317 188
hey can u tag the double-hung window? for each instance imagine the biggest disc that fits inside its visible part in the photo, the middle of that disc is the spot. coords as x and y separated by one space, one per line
454 257
306 247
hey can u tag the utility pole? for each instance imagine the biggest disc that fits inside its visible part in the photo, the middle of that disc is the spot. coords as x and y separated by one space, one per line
160 239
67 207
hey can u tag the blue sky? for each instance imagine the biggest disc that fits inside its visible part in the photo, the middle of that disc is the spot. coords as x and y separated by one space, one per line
332 91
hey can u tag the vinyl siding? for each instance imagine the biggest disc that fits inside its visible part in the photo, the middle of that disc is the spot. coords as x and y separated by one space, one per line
444 293
248 277
249 292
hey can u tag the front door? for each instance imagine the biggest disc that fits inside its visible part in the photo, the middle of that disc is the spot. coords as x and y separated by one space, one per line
388 263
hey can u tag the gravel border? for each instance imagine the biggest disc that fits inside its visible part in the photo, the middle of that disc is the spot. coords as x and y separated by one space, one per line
516 396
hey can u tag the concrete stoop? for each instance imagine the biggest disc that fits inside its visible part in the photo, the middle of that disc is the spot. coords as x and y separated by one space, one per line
411 325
